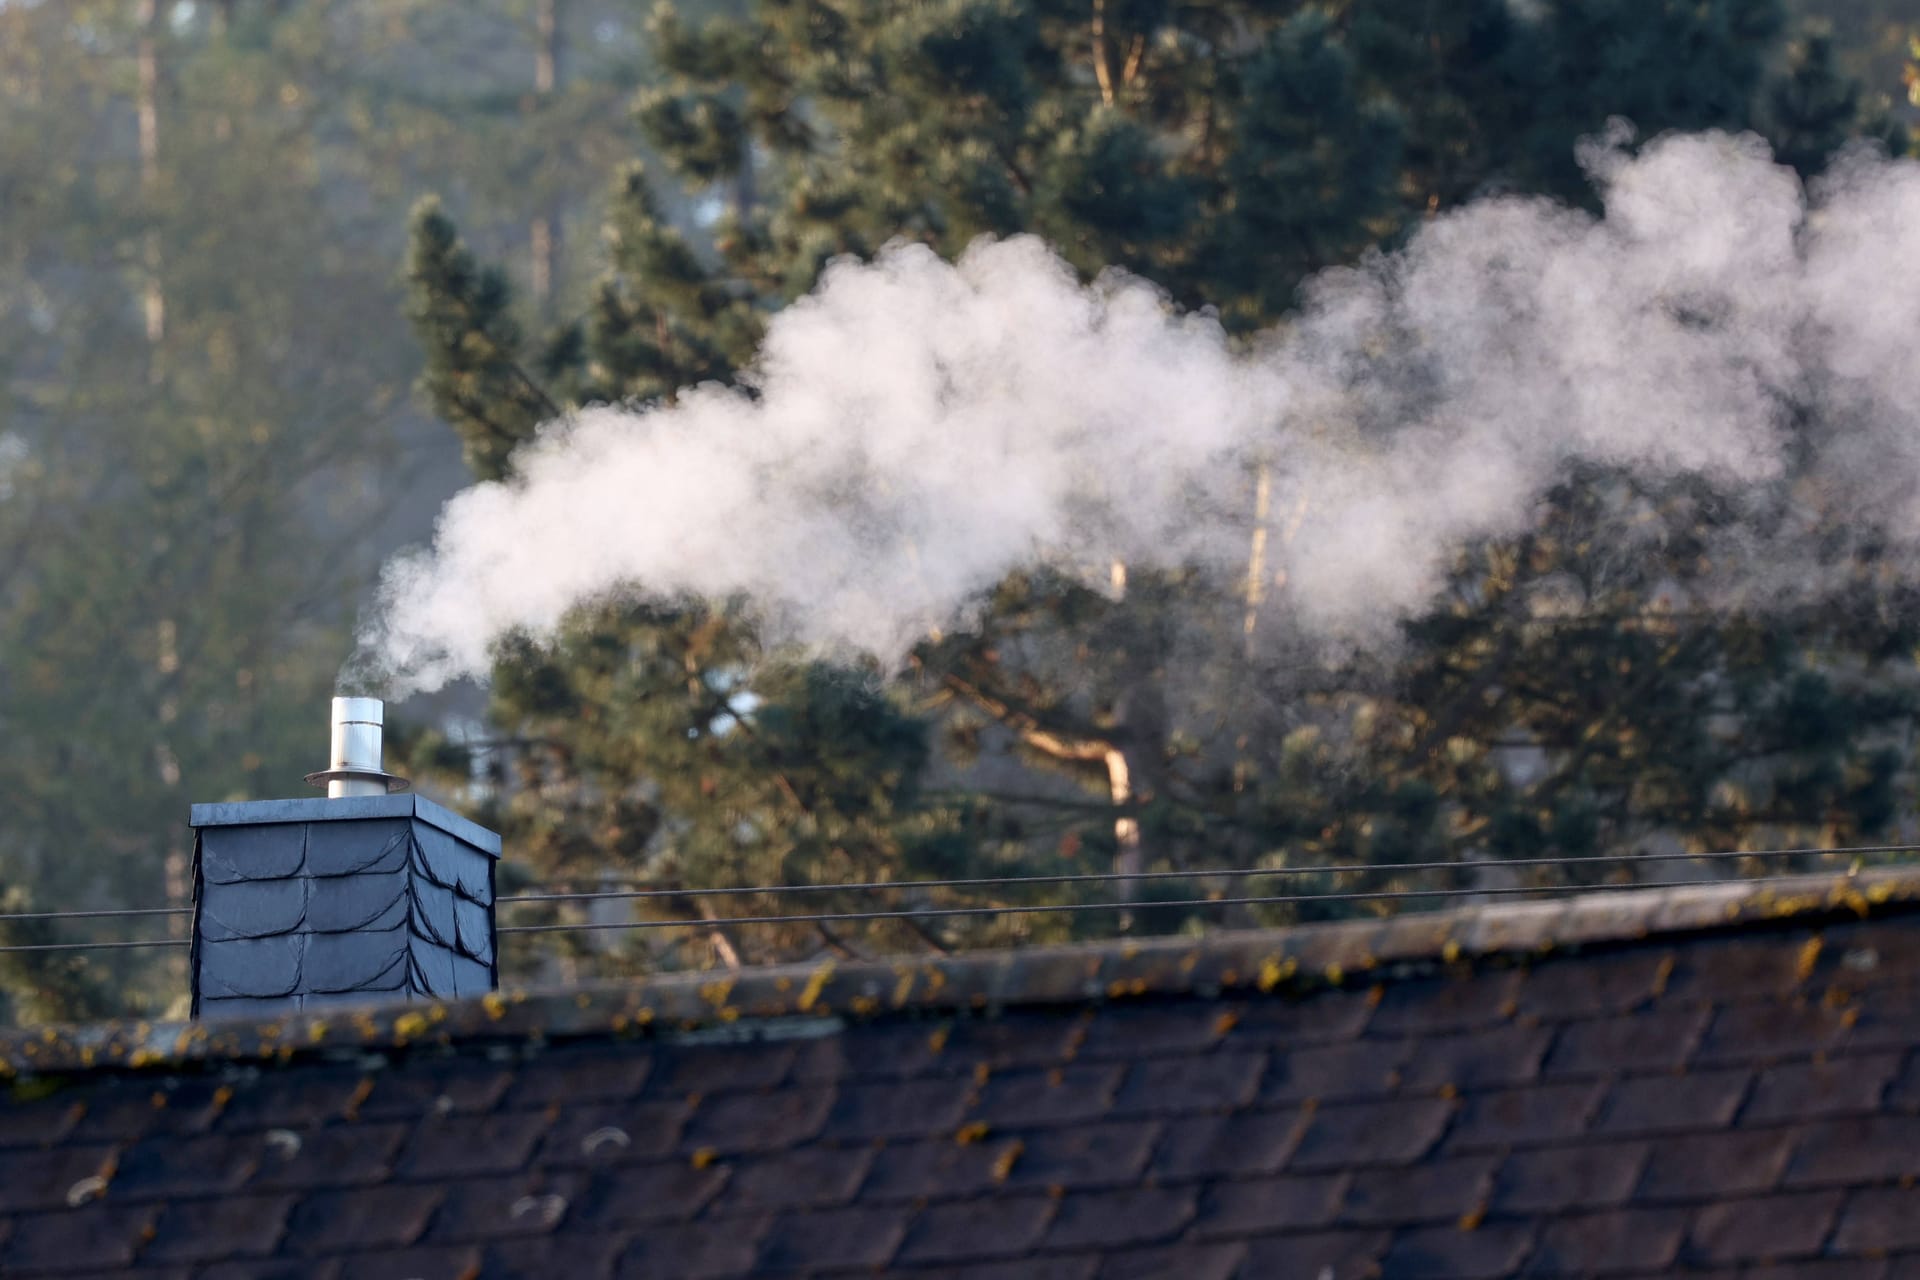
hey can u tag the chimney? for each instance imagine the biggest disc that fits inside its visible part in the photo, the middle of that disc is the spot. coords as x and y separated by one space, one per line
370 894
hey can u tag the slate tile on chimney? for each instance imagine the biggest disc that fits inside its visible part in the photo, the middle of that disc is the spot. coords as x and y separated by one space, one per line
212 1230
345 848
758 1121
614 1132
523 1204
1228 1145
1353 1134
1115 1219
1762 1229
821 1239
1836 1086
971 1230
1710 1166
1769 1029
1062 1095
1484 1253
1673 1103
1207 1082
457 1145
231 855
260 968
1483 1059
384 1217
1879 1220
1187 1261
672 1191
809 1177
1090 1155
1525 1117
358 904
1330 1073
370 961
1323 1255
600 1072
1657 1040
1856 1150
98 1235
1591 1176
716 1069
1428 1006
1437 1191
941 1168
1593 986
255 909
428 1262
1247 1208
1644 1241
909 1109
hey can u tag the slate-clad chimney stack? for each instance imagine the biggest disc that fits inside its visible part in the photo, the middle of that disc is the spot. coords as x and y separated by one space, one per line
369 894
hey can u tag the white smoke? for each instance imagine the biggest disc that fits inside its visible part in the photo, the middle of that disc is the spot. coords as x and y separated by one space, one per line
922 428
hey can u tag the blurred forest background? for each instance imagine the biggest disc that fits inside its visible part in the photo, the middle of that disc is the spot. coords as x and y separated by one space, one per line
278 276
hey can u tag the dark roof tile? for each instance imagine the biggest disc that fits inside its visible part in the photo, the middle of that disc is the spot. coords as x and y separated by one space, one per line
1904 1092
1188 1262
1094 1155
270 1269
1016 1038
1802 1090
1758 965
364 1218
1673 1103
1525 1117
976 1229
1061 1095
93 1236
1884 1018
1658 1040
1770 1029
1244 1208
809 1177
217 1229
1824 1269
614 1133
1292 1022
1052 1267
605 1072
820 1239
192 1166
1591 986
910 1109
1329 1073
1229 1145
40 1121
1609 1243
758 1121
39 1179
1144 1031
432 1262
292 1099
1323 1255
522 1204
1561 1178
1427 1006
693 1250
1762 1229
1442 1190
648 1194
1353 1134
337 1156
713 1069
138 1108
1855 1150
941 1167
1879 1219
578 1255
499 1142
1115 1219
1480 1254
1707 1166
1478 1059
434 1086
1207 1082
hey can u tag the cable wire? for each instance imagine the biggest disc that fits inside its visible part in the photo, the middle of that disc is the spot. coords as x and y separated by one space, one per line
95 946
831 917
1108 877
84 915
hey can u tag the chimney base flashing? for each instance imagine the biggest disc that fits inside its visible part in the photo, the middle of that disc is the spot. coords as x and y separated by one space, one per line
254 813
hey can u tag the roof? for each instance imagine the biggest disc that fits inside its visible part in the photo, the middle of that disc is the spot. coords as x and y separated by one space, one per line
1717 1080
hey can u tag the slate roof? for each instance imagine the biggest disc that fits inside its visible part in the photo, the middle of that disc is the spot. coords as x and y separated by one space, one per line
1719 1081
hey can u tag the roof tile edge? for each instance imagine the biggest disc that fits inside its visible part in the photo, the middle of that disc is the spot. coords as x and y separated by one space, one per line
1298 958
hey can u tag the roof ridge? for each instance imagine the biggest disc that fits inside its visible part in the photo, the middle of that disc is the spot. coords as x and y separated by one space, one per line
784 1000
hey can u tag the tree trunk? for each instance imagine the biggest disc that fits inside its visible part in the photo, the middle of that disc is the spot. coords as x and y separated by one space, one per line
147 14
543 236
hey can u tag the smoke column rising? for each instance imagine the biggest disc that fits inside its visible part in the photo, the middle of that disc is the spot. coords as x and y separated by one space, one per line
922 428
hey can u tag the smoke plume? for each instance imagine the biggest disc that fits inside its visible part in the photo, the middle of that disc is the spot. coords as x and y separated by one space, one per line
917 429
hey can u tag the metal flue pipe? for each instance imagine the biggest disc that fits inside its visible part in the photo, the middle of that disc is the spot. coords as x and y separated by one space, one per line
358 725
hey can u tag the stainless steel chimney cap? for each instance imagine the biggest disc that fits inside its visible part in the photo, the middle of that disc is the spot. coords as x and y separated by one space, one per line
358 725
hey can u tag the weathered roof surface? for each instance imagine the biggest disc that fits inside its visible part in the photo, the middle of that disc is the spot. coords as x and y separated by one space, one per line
1718 1081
